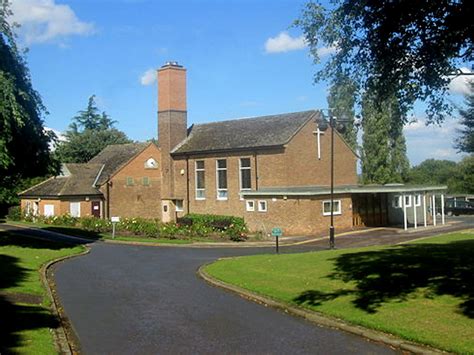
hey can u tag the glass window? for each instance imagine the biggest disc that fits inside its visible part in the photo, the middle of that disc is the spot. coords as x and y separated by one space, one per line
262 206
408 200
130 181
200 180
417 199
221 166
397 201
245 174
327 207
146 181
179 205
250 206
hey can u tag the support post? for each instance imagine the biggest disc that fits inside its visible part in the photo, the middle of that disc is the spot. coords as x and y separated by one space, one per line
331 228
415 222
442 209
424 209
405 223
434 209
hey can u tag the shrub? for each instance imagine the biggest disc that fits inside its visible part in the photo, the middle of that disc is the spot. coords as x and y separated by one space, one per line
93 224
232 227
14 213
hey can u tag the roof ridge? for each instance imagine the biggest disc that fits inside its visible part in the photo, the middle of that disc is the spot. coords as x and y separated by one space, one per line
254 117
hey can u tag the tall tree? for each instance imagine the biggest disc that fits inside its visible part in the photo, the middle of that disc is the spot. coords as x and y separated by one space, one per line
404 49
341 100
465 141
88 134
24 144
383 153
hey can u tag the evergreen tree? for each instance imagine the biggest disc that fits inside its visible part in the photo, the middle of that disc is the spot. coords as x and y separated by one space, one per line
465 141
88 134
383 153
341 101
24 144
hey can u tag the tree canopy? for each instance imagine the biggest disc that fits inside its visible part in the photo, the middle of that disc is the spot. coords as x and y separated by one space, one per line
89 133
24 144
459 177
397 49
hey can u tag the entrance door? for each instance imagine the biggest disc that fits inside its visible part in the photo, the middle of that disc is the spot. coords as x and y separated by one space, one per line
95 206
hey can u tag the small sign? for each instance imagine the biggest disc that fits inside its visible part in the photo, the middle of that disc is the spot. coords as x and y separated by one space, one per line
115 219
276 232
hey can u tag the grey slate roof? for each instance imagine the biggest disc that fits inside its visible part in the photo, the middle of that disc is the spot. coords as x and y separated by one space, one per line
79 181
113 157
246 133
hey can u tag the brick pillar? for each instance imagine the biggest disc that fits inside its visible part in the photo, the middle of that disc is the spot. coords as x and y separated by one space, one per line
172 122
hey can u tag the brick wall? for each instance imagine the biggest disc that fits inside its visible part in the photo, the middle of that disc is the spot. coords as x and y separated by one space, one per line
295 165
298 215
137 200
62 207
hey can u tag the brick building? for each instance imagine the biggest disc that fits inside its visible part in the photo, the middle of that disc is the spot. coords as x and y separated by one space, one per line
271 170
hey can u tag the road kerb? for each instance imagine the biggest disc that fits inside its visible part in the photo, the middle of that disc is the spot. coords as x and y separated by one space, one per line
64 336
318 318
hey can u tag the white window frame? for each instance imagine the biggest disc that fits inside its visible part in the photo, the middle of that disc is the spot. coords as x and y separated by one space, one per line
51 214
221 190
179 208
241 169
250 205
409 201
28 208
202 190
262 206
397 201
336 203
417 200
79 208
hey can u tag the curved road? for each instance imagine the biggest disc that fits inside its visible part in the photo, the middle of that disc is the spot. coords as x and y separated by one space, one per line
147 300
124 299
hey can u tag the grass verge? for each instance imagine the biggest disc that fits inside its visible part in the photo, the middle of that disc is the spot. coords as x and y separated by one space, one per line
420 291
26 320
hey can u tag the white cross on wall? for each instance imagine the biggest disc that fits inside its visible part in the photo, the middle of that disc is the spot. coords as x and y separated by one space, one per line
318 134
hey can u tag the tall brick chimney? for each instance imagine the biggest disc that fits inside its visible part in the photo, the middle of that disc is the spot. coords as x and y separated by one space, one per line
172 125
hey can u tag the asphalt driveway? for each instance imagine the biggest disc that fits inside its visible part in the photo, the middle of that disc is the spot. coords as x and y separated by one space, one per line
131 300
124 299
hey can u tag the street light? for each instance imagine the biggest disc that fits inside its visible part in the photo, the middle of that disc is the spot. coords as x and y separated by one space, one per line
333 120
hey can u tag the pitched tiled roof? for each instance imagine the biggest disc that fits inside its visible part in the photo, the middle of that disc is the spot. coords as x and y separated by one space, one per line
79 180
247 133
114 157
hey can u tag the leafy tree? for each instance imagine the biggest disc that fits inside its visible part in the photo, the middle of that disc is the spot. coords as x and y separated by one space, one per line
88 134
341 100
384 157
396 49
24 144
465 141
83 146
459 177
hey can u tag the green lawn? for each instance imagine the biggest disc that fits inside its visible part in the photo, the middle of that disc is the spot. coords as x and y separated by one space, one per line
26 320
422 291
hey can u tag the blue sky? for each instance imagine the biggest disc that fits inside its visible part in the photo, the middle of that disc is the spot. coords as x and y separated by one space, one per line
242 56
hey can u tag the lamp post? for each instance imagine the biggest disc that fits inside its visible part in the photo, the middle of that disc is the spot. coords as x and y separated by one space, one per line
332 123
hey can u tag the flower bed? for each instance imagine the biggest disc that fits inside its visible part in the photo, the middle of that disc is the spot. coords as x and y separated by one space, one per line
189 227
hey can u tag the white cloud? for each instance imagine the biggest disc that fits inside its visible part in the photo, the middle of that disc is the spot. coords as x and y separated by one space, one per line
45 21
284 43
460 84
324 51
148 77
